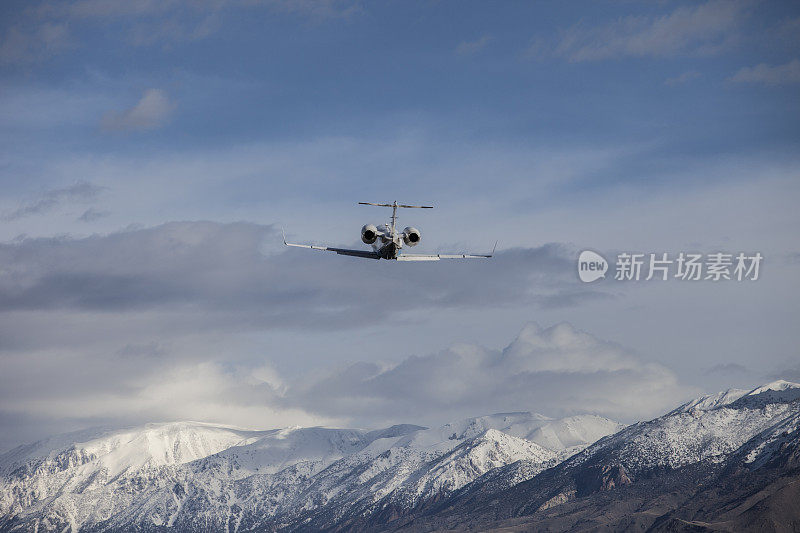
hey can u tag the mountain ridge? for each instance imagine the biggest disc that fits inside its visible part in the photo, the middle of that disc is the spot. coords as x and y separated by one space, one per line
649 470
199 477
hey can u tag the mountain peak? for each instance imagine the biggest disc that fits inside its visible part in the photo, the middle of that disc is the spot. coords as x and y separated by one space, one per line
777 385
184 474
710 401
779 391
774 392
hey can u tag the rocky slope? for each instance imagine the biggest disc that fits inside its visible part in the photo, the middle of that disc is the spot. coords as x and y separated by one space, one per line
727 461
722 462
191 476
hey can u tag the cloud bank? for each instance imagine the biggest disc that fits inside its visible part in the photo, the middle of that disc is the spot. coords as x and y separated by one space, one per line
143 325
470 47
150 112
705 28
219 269
20 44
80 192
557 371
786 74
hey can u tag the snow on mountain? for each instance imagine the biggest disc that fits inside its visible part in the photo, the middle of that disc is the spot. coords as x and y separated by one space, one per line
772 441
152 475
475 457
73 475
571 433
517 424
283 448
193 476
130 449
411 471
722 462
777 391
711 401
710 431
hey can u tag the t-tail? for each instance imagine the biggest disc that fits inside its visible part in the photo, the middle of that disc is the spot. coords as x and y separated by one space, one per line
394 205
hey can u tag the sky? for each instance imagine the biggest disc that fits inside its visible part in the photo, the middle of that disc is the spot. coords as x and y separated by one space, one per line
152 153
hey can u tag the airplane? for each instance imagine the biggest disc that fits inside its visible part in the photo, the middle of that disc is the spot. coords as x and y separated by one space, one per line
387 242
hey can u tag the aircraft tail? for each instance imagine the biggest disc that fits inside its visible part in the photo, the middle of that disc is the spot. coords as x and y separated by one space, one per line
394 207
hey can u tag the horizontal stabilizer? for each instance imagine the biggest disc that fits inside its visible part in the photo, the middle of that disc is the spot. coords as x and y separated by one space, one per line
398 205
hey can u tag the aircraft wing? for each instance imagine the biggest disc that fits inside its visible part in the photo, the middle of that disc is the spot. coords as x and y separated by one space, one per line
341 251
436 257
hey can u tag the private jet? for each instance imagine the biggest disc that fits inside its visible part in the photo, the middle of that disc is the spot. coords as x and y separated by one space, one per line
387 242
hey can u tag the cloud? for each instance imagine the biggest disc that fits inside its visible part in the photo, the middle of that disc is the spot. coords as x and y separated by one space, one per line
30 43
143 23
150 349
81 191
110 9
92 214
107 9
788 31
150 112
218 272
697 29
152 323
150 23
470 47
786 74
204 391
683 78
727 370
791 373
557 371
173 30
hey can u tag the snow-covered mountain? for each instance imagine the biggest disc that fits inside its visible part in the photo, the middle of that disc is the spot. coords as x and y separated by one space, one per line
708 433
732 458
196 476
203 477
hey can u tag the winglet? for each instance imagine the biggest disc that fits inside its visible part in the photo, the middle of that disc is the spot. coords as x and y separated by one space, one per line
495 247
284 237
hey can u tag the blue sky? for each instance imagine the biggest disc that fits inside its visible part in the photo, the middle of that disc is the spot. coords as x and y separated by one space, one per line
152 150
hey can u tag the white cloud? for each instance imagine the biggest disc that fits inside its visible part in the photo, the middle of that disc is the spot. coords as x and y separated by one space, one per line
81 191
470 47
150 112
557 371
166 22
176 29
143 325
29 43
216 275
204 391
763 73
107 9
683 78
697 29
92 214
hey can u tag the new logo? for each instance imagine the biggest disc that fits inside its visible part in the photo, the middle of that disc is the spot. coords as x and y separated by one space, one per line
591 266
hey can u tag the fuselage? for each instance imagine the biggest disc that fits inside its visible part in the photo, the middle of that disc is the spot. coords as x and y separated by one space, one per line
388 243
385 240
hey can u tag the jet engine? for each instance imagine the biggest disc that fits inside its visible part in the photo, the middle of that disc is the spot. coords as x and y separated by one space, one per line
369 233
411 236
